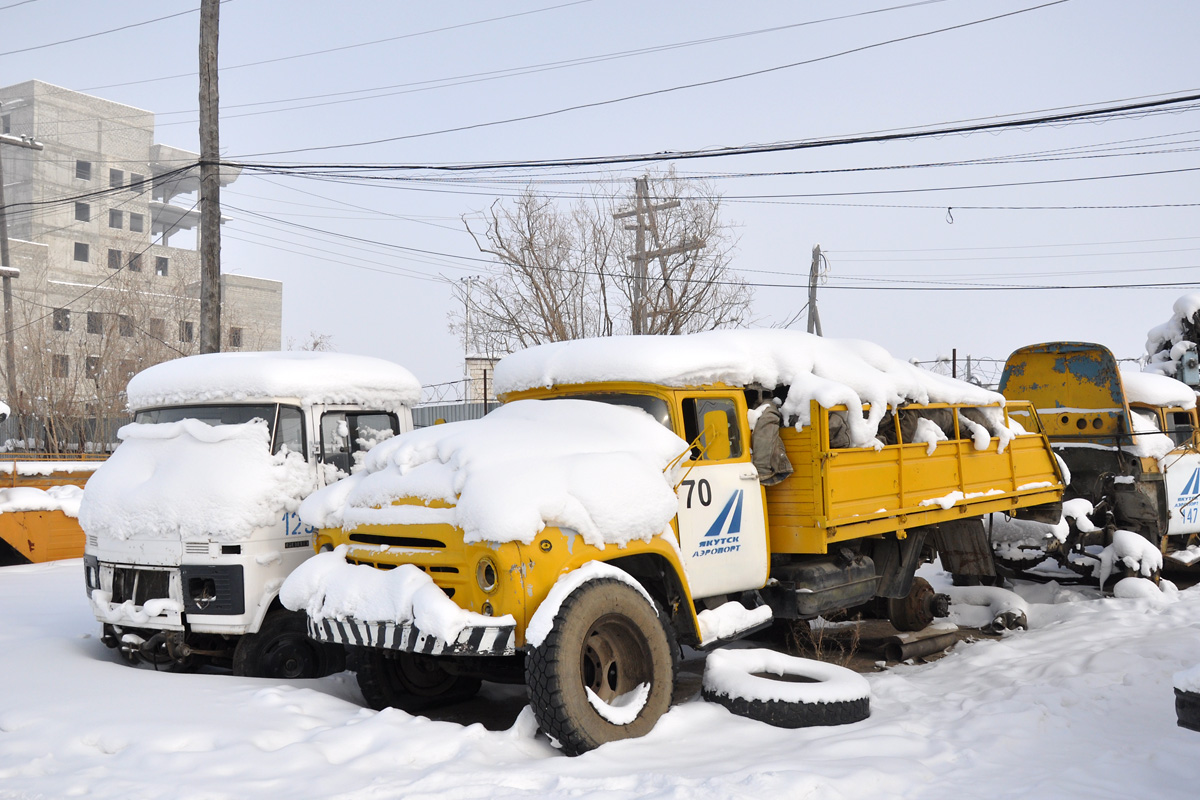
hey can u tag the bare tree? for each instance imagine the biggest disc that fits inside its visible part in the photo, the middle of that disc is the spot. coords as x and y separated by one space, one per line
574 272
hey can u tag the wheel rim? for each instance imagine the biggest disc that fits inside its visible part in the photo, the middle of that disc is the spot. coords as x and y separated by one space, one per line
290 658
615 658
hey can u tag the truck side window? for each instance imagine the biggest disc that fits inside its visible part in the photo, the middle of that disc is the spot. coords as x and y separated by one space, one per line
335 440
346 434
289 431
1179 426
705 417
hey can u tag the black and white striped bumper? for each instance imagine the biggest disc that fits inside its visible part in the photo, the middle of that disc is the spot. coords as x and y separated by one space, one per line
491 640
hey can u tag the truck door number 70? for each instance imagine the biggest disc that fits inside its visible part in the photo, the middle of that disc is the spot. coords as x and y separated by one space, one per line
702 489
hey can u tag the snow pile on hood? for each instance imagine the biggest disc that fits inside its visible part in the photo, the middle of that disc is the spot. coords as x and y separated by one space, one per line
1166 343
326 586
833 372
1156 390
311 377
189 480
595 468
54 498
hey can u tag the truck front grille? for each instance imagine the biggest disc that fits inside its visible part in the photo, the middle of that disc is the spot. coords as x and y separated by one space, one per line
397 541
139 585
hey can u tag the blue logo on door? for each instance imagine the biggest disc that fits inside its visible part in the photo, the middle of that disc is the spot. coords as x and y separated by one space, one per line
723 536
1190 490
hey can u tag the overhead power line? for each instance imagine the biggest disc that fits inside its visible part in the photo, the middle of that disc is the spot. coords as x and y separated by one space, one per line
1172 103
103 33
655 92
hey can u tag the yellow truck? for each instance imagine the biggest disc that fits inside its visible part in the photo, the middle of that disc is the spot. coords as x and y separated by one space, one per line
888 466
39 505
1130 441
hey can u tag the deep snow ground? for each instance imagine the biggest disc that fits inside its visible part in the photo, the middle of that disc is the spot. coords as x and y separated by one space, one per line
1081 706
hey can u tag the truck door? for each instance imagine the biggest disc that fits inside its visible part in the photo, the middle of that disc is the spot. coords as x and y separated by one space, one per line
722 524
1182 472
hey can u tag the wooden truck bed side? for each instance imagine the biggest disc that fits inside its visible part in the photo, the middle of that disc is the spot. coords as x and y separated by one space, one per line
847 493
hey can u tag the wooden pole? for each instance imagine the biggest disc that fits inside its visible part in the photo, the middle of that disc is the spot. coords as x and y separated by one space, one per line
210 182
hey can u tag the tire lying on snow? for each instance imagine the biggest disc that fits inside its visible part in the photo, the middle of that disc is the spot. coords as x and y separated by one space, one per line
785 691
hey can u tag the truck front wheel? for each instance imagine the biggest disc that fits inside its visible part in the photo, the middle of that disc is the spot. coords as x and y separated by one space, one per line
605 671
281 649
408 681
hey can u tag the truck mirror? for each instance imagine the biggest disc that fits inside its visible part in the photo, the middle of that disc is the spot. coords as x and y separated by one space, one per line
716 435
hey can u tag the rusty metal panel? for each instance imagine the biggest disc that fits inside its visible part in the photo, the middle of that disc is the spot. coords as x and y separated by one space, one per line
1075 387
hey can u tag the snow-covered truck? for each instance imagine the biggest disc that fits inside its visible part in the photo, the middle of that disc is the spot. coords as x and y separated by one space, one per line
39 504
191 525
1131 444
633 494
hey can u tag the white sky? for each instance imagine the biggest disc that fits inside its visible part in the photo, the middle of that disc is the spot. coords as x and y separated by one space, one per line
380 300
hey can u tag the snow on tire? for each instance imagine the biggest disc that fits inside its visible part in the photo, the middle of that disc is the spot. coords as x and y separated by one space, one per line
785 691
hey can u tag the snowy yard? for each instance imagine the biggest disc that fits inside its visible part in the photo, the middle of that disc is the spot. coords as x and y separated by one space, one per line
1080 705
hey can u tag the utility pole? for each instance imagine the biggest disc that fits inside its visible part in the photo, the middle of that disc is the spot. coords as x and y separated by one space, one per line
647 220
814 274
210 182
8 271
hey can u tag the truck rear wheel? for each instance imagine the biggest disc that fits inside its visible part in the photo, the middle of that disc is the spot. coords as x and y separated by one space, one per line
408 681
918 609
282 649
605 671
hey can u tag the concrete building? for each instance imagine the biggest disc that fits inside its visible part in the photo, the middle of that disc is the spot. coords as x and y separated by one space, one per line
101 224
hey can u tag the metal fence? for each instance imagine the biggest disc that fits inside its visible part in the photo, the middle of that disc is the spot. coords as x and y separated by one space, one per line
25 434
424 416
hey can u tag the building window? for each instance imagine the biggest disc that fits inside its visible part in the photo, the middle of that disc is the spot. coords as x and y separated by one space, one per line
6 123
135 262
81 251
95 322
187 331
114 259
83 212
135 182
161 265
136 222
91 366
62 319
125 325
114 218
235 337
116 178
158 328
61 366
83 170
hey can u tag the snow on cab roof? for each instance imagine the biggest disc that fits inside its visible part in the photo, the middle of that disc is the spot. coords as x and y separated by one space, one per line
832 371
311 377
1157 390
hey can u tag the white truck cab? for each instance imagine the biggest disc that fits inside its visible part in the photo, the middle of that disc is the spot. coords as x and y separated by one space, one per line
191 525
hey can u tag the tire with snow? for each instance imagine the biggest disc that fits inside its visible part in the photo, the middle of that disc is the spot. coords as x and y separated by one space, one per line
605 671
408 681
785 691
282 649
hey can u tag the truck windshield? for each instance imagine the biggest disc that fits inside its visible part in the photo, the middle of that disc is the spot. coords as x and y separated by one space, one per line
289 433
654 406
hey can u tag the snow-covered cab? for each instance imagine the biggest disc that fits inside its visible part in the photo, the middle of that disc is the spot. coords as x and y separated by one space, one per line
191 525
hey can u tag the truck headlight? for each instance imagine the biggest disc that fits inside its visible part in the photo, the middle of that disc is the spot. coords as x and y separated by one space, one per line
486 574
